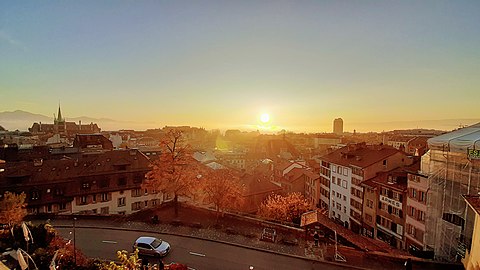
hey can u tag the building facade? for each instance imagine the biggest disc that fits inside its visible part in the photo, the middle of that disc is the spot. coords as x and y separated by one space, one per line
338 126
82 181
345 169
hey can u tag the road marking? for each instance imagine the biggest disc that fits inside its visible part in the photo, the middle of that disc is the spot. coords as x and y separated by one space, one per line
190 268
109 242
197 254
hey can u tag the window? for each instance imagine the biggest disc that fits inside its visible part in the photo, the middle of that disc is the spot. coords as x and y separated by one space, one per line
35 195
83 200
344 184
104 210
414 193
86 185
146 203
368 218
339 170
94 198
344 198
334 179
62 206
136 205
104 183
121 201
345 171
369 203
333 193
421 196
122 181
58 191
104 197
137 192
384 162
138 179
344 209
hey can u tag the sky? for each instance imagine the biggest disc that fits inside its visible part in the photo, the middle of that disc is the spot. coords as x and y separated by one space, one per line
221 64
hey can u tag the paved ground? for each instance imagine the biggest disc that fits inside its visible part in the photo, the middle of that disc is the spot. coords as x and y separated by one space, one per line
202 224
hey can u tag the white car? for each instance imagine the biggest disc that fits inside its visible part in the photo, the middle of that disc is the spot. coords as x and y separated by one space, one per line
151 246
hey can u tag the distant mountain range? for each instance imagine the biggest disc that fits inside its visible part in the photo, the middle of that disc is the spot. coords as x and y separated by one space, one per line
22 120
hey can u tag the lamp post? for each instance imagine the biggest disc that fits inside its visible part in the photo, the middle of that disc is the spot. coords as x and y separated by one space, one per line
74 247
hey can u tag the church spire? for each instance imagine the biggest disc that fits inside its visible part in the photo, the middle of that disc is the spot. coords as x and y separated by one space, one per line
59 115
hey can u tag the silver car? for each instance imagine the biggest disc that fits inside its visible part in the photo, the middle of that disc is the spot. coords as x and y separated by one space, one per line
151 246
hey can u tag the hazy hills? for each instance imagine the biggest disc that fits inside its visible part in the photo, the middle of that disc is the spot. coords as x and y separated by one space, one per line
22 120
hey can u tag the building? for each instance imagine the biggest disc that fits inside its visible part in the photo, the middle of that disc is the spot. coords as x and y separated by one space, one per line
81 180
345 169
416 211
60 125
472 253
384 212
338 126
453 168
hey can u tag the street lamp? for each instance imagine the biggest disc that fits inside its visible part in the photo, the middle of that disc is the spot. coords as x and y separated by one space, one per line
74 247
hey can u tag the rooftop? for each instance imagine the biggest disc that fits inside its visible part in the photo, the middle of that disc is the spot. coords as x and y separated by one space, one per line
360 154
457 141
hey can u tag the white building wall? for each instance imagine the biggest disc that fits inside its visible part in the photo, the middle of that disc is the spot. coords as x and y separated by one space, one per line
341 199
112 204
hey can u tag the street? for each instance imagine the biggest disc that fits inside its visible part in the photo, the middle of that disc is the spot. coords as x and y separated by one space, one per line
197 254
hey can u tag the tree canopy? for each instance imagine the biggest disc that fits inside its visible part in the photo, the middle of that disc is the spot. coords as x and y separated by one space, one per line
12 208
222 189
284 208
176 172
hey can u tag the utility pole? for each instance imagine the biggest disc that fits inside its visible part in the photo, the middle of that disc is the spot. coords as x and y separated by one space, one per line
74 247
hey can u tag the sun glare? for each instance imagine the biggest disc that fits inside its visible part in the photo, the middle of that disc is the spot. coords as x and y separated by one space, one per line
265 118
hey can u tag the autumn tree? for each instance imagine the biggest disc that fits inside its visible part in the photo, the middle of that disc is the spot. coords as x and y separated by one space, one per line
12 208
222 189
284 208
176 171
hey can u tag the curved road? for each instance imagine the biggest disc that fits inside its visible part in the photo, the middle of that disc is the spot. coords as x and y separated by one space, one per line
196 253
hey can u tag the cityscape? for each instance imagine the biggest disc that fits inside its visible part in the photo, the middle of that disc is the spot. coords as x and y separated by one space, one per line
239 135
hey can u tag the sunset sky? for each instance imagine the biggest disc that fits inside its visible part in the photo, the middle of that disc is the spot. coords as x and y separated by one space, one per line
220 64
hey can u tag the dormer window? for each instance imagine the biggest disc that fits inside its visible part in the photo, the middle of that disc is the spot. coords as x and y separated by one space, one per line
86 185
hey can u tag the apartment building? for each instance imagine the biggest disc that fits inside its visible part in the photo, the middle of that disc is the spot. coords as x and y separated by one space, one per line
416 211
345 169
384 212
81 181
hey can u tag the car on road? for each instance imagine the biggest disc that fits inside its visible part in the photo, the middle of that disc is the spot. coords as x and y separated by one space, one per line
269 234
151 246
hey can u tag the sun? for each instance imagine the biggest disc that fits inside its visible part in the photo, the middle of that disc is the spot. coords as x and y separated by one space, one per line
265 118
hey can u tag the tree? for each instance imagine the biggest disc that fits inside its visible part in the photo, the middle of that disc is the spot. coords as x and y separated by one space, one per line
127 262
284 208
12 208
222 188
176 171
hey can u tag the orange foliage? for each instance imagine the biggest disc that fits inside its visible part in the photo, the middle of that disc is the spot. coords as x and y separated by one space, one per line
284 208
222 188
12 208
65 251
176 171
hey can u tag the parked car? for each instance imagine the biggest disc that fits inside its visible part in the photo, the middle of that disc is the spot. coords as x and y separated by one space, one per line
269 234
151 246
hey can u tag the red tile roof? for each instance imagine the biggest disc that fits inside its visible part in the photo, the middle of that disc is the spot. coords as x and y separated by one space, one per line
360 155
